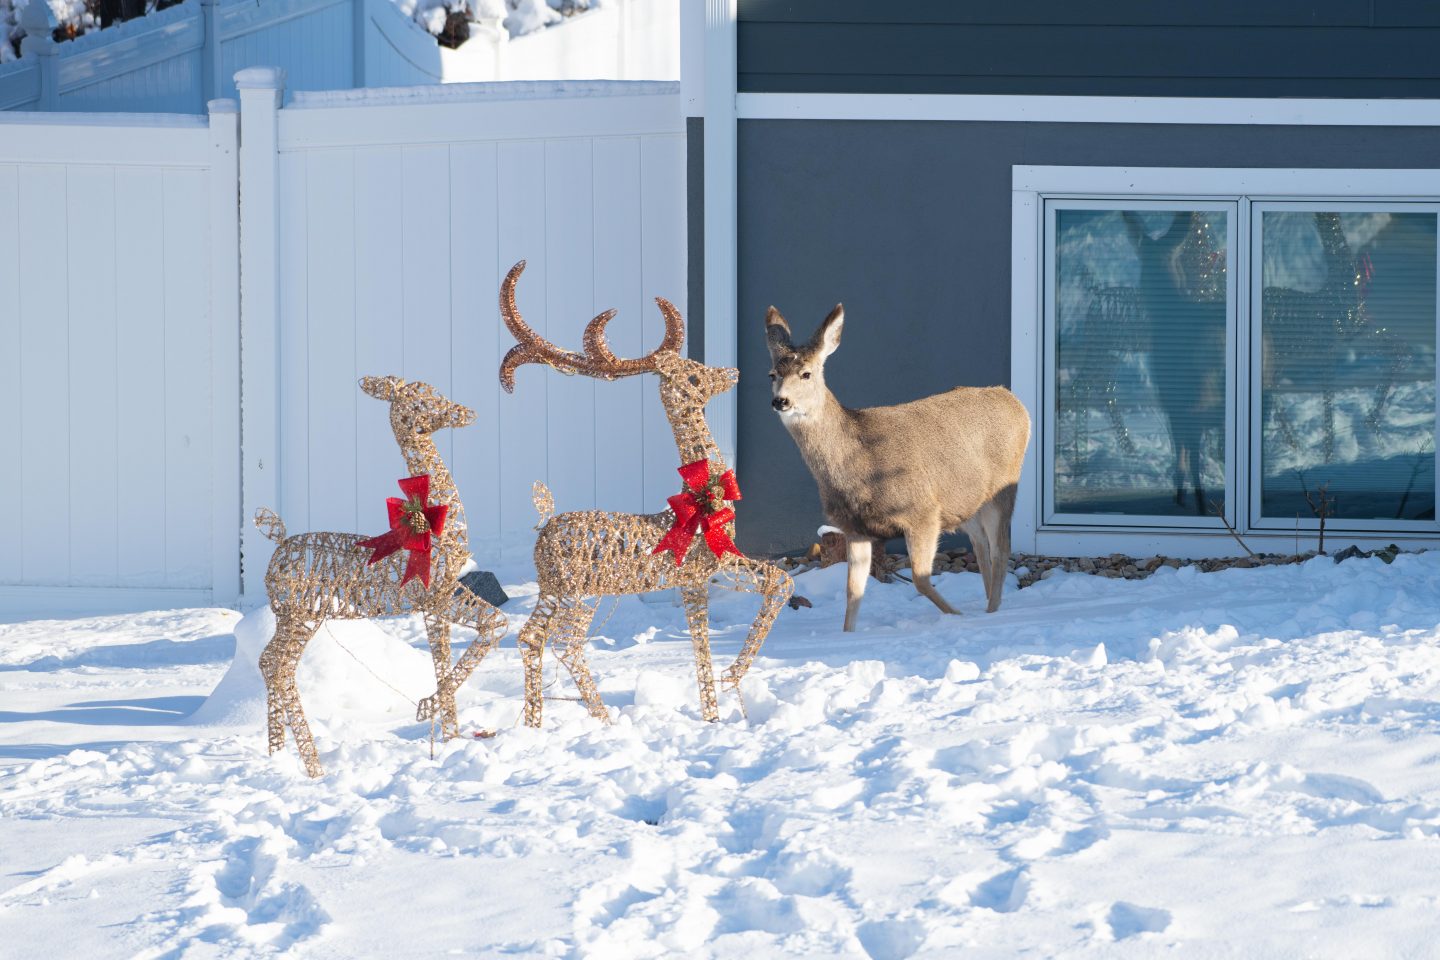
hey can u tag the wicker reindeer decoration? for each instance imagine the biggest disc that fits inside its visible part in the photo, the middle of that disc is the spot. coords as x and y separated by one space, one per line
314 577
588 554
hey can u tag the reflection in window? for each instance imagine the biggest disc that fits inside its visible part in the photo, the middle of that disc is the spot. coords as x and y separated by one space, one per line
1140 362
1348 364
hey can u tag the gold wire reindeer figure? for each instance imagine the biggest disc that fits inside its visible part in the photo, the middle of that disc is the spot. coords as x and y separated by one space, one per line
314 577
588 554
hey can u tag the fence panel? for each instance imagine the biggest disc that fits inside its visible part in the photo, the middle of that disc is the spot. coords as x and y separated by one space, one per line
399 213
118 341
310 39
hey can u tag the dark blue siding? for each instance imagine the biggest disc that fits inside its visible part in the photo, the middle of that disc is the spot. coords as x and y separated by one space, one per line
1230 48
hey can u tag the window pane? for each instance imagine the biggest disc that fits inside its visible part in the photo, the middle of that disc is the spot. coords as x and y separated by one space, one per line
1140 362
1348 364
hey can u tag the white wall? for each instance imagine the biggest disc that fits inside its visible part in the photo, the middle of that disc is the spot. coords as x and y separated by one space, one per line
118 345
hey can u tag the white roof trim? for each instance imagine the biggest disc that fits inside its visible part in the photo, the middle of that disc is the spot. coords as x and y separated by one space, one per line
1048 109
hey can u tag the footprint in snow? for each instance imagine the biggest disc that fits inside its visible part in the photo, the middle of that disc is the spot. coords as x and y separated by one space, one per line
1128 920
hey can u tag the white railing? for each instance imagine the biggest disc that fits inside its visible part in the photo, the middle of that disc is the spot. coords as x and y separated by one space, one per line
371 230
180 58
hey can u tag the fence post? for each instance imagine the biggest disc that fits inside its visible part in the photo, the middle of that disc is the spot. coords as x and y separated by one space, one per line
226 505
361 22
210 79
40 23
261 89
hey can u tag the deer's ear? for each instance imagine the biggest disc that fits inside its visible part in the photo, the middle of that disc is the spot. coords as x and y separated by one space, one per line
382 388
827 338
777 331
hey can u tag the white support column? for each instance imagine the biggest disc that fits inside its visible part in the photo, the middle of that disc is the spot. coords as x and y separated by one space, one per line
261 90
226 505
718 97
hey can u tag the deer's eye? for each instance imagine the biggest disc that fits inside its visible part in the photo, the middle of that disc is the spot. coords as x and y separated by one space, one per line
772 376
805 375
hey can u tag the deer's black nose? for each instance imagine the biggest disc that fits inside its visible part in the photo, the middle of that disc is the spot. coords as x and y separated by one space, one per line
780 403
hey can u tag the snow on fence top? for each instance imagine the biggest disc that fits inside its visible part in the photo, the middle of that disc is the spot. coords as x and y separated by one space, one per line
482 92
146 120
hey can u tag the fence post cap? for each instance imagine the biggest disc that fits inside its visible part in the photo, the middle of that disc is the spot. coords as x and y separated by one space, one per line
37 17
260 78
222 106
39 24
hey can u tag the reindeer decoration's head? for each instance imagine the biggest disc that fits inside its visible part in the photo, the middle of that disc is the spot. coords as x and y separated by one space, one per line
797 372
415 407
685 385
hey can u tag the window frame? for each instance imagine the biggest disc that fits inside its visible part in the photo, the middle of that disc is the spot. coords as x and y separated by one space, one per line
1050 339
1032 190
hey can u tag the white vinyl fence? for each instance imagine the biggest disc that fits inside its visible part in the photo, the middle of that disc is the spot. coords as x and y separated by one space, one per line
119 332
374 229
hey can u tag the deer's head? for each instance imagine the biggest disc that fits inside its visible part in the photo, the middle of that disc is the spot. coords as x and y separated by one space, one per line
415 407
797 372
685 386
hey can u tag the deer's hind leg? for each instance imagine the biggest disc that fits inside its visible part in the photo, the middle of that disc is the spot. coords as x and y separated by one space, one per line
994 519
922 541
697 612
278 663
774 586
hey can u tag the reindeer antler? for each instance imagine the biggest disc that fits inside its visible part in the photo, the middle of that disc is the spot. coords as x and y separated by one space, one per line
597 360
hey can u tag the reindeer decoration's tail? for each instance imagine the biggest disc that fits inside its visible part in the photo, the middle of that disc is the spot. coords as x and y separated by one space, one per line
544 501
270 524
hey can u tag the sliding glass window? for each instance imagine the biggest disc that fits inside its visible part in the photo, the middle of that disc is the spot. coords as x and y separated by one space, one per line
1343 365
1140 327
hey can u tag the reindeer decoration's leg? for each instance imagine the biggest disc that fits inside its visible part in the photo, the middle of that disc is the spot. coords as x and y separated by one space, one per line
569 645
270 670
278 663
533 637
437 630
774 586
490 625
697 611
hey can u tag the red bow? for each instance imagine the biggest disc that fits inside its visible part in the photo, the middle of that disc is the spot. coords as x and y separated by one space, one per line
701 507
412 524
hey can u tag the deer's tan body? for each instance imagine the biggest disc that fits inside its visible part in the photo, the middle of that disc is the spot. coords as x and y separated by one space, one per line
587 554
946 462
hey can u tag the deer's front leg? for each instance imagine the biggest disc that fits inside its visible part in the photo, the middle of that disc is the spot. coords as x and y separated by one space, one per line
857 556
697 611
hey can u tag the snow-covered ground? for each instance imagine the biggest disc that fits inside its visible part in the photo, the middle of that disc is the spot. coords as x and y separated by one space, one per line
1238 764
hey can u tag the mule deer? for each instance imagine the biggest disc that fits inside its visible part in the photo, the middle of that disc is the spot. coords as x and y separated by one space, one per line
314 577
588 554
912 470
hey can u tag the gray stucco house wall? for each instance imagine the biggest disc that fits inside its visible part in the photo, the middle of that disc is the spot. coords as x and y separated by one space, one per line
908 222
